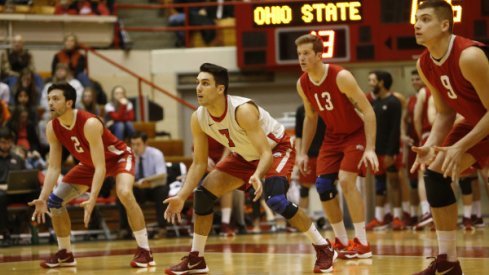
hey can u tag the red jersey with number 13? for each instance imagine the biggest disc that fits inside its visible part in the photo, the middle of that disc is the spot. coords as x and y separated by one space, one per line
336 110
73 139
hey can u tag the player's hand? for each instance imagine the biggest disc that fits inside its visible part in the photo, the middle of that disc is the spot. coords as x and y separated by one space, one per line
451 163
40 211
407 140
424 156
175 206
257 185
369 159
303 162
88 206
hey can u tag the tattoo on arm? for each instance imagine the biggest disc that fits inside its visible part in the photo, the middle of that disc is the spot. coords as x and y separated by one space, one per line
355 104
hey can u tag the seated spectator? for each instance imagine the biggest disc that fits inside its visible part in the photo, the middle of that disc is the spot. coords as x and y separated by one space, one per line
4 92
89 103
72 56
120 113
27 82
150 182
15 60
24 129
22 99
66 7
86 7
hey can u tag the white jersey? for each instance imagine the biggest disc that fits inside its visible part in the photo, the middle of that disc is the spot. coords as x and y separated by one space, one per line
227 132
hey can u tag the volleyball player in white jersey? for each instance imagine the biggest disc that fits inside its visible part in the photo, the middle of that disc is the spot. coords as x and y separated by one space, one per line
260 150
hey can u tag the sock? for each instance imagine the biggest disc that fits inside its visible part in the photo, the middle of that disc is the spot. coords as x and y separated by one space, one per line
226 215
387 208
414 211
340 232
64 243
405 206
379 213
360 232
447 244
142 238
476 208
314 236
397 212
198 243
467 211
425 207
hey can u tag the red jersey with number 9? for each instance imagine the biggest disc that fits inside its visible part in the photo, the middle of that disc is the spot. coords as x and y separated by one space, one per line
336 110
73 139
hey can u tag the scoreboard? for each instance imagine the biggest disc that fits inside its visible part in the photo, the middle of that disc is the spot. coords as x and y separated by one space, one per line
352 31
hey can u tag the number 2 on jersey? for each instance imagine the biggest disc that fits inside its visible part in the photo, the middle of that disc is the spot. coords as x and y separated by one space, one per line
77 145
225 132
328 105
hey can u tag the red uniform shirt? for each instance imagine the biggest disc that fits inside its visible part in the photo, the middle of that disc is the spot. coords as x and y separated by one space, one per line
73 139
331 104
447 78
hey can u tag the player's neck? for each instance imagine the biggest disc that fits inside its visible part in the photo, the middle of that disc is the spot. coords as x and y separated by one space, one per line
439 49
317 73
218 108
68 117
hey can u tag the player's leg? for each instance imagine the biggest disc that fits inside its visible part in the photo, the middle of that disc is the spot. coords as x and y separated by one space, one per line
465 184
395 189
476 216
226 208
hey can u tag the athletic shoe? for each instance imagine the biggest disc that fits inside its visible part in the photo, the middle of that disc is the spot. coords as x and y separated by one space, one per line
356 250
142 258
60 259
406 218
338 246
425 220
388 218
226 230
412 222
325 256
398 224
478 222
191 264
467 224
375 224
441 265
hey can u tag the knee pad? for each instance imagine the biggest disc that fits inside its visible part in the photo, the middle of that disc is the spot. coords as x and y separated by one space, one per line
466 185
326 187
304 192
413 183
381 185
438 190
54 202
203 201
275 189
392 169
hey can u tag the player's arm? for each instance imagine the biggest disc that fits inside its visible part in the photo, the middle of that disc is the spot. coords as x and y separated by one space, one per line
445 115
418 112
310 122
474 65
93 131
54 168
349 86
199 163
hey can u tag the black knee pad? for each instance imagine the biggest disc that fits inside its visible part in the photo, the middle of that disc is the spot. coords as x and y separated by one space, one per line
203 201
326 187
381 185
413 183
466 185
304 192
275 190
438 190
392 169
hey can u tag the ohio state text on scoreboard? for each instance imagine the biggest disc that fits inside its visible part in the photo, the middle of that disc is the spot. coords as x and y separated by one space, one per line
352 31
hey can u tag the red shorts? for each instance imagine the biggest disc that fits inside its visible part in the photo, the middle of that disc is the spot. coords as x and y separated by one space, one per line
309 180
480 151
342 153
283 163
83 174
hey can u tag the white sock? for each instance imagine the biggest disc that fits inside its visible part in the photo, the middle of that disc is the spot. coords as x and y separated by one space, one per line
314 236
397 212
198 243
142 238
387 208
447 244
360 232
425 207
467 211
405 206
379 213
226 215
340 232
476 208
414 211
64 243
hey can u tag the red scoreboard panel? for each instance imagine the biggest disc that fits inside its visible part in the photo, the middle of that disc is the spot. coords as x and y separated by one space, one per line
352 31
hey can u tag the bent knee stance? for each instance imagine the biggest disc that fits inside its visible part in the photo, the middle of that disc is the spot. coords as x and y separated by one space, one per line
466 185
326 187
55 204
204 201
438 190
275 189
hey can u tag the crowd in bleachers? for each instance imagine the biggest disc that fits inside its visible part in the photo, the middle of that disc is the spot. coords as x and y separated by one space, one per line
58 7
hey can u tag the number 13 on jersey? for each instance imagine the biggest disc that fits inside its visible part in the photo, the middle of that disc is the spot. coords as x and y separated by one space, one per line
326 97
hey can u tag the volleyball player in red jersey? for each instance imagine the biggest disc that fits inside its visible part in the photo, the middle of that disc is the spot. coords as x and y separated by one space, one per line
456 70
100 154
332 92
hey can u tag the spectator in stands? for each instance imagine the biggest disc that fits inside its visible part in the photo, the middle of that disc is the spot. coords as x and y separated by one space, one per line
22 99
26 82
4 113
15 60
89 103
24 129
150 182
4 92
86 7
120 113
66 7
72 56
9 161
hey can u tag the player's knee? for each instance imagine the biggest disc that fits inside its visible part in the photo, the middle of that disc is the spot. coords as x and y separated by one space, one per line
392 169
466 185
275 189
54 202
326 187
381 185
413 183
304 192
438 190
204 201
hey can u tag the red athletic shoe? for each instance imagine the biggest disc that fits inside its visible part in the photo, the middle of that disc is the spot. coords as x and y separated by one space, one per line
338 246
440 265
191 264
375 224
325 256
356 250
478 222
388 218
60 259
467 224
226 231
142 258
398 224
